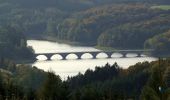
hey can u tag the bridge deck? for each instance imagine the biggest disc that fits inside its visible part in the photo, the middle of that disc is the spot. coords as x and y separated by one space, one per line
94 53
114 51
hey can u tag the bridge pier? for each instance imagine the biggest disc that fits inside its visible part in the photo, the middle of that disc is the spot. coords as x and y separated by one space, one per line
79 55
94 54
64 56
48 56
109 54
124 54
138 55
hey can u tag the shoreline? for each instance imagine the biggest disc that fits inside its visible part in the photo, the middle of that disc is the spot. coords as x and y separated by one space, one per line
29 61
73 43
54 39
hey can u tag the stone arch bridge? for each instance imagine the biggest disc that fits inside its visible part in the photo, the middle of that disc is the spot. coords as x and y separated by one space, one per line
95 53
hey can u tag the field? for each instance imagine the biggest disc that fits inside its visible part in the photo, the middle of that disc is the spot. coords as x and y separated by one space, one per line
163 7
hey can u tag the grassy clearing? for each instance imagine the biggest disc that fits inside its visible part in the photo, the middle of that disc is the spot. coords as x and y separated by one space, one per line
163 7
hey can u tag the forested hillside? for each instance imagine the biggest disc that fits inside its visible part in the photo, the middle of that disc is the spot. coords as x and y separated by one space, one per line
138 82
143 81
18 82
118 26
110 23
13 45
159 42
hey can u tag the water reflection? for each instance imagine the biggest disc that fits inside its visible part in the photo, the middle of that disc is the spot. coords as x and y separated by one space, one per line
71 56
116 55
56 57
72 66
87 56
131 55
41 58
102 55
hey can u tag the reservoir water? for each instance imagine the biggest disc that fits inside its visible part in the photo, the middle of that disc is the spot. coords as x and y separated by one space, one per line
71 66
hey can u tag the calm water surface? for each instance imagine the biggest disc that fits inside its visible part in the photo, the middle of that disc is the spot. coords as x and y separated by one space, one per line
72 67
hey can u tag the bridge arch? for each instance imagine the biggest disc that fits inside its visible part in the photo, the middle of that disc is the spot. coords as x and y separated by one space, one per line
131 55
41 57
94 54
102 55
86 56
56 57
116 55
71 56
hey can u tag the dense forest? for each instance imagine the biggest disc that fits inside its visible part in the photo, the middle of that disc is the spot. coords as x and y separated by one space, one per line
120 24
13 45
109 23
143 81
160 42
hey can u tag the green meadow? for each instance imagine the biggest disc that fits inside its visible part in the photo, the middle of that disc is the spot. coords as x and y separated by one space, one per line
163 7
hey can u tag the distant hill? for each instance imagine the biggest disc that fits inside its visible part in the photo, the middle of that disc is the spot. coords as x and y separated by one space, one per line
118 26
112 23
74 5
